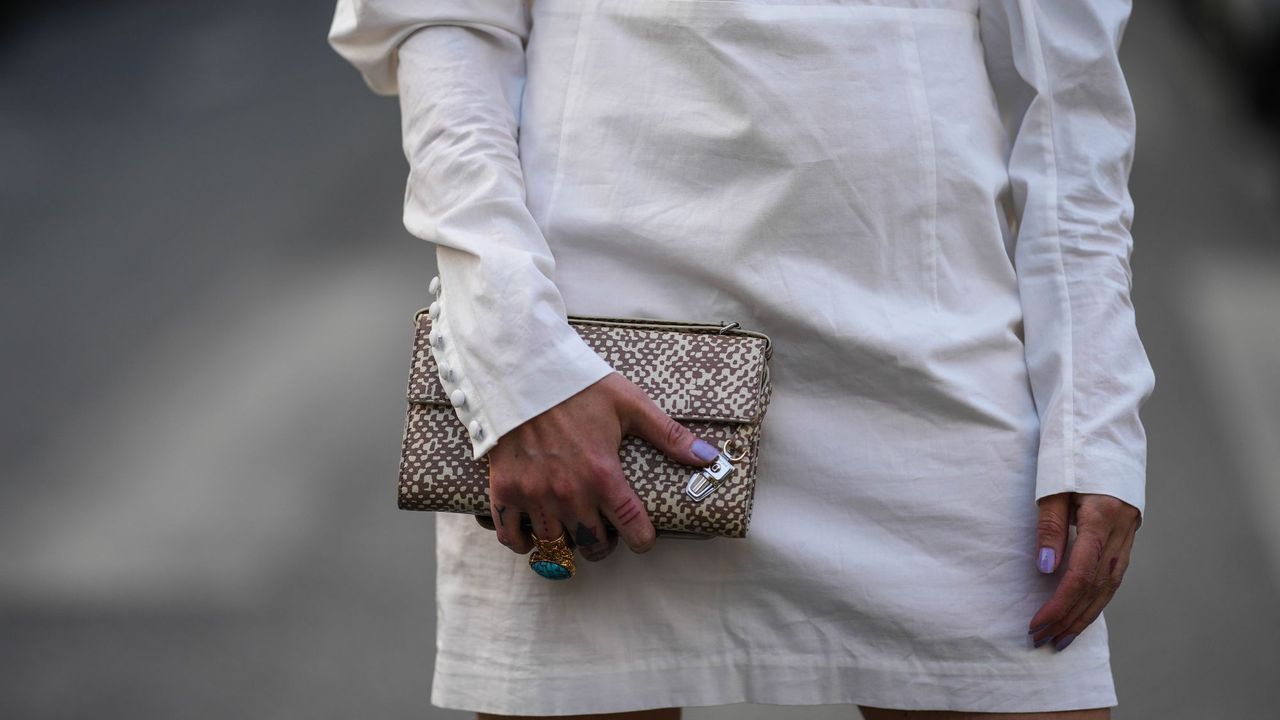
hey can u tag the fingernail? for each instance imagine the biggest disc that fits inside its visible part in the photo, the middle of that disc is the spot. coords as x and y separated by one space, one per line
1037 628
1043 640
1065 641
705 450
1046 560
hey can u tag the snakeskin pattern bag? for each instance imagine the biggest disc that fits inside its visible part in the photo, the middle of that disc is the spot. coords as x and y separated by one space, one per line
713 379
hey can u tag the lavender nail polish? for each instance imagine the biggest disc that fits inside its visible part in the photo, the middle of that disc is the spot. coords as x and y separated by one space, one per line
1065 641
1043 640
705 450
1045 562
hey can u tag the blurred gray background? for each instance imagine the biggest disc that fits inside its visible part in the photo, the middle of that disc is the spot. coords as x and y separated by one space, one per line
206 296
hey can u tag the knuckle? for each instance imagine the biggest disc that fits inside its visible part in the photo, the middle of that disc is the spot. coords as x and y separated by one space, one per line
1084 621
1109 584
1088 513
1080 577
1056 609
613 484
1131 515
528 487
1097 547
1097 584
596 552
623 395
1091 547
601 487
498 481
507 485
1107 503
499 497
1051 525
673 431
598 469
563 490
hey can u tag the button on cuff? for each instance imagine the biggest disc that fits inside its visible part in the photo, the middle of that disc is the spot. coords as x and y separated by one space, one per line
471 416
467 412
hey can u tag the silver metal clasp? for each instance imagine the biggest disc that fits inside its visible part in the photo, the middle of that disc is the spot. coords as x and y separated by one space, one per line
705 480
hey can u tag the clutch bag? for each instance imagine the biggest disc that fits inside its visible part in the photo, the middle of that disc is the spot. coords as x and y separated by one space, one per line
712 378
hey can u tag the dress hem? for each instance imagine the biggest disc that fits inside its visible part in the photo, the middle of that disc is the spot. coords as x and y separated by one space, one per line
706 685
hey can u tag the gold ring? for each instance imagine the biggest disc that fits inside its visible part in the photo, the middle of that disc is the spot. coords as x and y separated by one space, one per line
552 559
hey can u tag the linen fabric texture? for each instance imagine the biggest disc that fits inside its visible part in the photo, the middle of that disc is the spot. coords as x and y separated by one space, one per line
925 205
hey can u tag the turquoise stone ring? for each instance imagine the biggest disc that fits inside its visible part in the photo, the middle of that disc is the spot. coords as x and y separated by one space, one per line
551 570
552 559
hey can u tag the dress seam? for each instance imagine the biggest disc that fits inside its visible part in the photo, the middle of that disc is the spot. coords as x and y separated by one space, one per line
928 148
572 91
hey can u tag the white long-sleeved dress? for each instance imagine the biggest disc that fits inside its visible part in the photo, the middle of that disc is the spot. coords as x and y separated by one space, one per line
923 202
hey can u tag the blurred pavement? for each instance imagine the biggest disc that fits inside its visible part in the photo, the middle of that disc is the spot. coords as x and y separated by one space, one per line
206 305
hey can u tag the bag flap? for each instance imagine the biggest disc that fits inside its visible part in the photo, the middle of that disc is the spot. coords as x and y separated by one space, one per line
694 373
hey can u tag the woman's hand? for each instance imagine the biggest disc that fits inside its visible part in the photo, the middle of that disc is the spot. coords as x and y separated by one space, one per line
1105 528
562 467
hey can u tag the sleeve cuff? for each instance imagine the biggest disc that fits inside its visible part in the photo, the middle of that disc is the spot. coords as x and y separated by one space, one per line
1119 476
491 405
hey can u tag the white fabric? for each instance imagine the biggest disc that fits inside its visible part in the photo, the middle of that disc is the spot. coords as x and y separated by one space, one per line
924 204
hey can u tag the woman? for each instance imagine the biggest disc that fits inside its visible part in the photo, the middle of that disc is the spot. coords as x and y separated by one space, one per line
923 202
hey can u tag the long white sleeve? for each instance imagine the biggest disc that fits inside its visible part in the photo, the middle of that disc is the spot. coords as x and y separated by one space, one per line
1056 73
502 336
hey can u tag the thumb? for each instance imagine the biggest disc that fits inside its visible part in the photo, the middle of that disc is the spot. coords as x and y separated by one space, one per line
1051 531
676 441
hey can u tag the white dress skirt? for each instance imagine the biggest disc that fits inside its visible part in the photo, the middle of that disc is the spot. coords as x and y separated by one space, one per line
923 203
